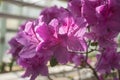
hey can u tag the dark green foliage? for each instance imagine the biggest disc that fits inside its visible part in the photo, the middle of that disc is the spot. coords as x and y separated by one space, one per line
53 62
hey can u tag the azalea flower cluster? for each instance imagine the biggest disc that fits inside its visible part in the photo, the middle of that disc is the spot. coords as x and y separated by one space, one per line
63 35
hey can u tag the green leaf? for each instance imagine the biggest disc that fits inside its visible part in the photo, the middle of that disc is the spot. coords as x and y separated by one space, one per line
94 43
53 62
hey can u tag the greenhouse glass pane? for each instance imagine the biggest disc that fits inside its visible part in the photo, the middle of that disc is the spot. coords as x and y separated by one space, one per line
12 23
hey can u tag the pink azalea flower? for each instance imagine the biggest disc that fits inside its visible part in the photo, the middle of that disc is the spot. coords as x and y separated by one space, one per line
104 12
107 61
63 37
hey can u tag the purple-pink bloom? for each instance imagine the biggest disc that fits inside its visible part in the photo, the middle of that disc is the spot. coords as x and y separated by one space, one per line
61 33
15 47
116 78
74 6
54 12
29 40
104 12
107 61
34 66
24 47
61 37
101 77
78 59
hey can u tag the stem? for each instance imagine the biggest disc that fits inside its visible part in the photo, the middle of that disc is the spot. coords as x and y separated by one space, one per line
11 64
119 74
89 42
94 71
50 78
78 71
